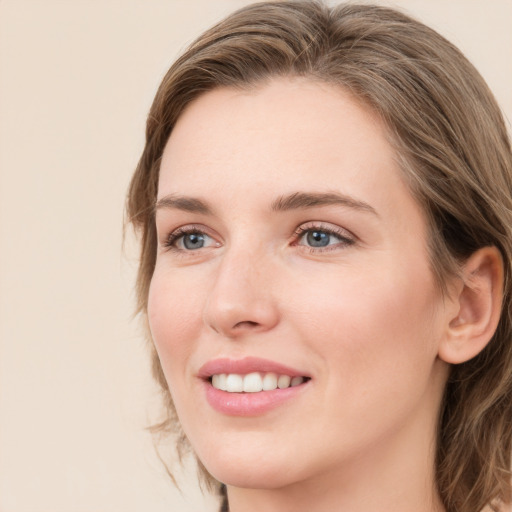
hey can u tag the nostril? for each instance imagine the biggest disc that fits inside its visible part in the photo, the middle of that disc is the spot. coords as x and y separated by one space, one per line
246 323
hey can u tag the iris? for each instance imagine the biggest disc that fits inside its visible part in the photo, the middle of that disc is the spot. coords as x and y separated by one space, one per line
193 241
318 238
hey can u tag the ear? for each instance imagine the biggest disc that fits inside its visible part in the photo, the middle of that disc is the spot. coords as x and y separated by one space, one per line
478 300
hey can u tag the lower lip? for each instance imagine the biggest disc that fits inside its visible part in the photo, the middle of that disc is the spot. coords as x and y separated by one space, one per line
250 404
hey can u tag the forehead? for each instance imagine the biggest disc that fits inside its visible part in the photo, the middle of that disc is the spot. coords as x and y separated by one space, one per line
282 136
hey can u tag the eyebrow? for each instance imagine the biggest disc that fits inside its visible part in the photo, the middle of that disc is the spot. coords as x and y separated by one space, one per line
300 200
294 201
187 204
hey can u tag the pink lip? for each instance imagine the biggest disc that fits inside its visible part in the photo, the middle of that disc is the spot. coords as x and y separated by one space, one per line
248 404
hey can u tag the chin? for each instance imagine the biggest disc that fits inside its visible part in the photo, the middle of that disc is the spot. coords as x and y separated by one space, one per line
250 469
252 478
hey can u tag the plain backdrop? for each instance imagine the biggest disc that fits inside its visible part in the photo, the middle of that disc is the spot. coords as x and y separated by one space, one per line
76 81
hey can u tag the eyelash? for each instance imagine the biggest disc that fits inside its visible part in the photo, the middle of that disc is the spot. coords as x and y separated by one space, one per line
345 239
181 232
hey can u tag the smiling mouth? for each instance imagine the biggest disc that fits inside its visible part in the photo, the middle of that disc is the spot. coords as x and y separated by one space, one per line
254 382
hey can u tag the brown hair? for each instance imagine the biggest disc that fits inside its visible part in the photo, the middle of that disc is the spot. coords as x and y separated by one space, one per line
455 155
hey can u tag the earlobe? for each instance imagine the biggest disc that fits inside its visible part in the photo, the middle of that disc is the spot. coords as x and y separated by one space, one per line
478 304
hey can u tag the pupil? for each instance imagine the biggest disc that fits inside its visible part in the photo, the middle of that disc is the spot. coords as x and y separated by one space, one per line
193 241
318 239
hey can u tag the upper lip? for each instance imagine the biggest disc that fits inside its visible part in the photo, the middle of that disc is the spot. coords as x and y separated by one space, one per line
245 366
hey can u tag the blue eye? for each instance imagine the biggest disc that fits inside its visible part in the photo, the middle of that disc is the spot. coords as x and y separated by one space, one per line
184 239
319 238
191 241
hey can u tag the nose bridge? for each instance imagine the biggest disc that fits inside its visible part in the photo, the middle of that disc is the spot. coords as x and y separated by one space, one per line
240 299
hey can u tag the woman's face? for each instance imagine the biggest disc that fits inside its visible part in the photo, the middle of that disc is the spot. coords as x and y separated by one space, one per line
291 252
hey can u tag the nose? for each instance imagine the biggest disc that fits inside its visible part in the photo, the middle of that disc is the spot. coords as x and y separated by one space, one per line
241 299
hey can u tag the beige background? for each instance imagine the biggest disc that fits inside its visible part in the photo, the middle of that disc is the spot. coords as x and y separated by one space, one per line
76 81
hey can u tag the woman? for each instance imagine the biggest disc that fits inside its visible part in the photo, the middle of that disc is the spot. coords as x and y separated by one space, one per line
324 203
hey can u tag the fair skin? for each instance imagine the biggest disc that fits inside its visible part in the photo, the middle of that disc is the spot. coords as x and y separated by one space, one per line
334 284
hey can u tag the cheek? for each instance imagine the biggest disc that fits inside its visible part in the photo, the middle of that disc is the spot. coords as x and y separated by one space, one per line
174 320
374 329
375 341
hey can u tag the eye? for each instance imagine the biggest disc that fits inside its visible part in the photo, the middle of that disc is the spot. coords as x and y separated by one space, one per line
189 239
320 237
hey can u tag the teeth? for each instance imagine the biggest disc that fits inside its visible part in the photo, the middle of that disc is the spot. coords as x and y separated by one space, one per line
219 381
283 381
269 382
296 381
254 382
234 383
